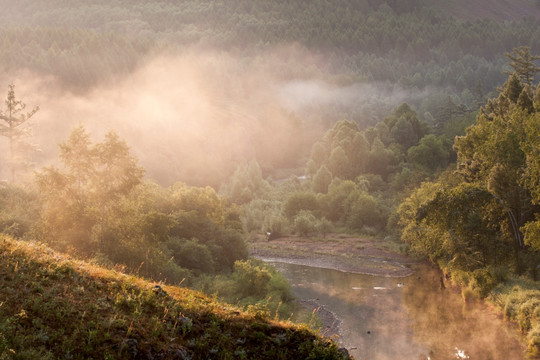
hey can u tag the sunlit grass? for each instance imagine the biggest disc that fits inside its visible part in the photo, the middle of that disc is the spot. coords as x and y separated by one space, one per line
53 306
519 299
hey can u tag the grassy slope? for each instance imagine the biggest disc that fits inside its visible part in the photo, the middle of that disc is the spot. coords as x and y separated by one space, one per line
494 9
54 307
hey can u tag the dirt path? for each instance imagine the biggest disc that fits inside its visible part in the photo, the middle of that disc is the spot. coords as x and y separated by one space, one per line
336 251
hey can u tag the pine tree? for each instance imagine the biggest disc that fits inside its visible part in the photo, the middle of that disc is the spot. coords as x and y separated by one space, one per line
13 130
523 63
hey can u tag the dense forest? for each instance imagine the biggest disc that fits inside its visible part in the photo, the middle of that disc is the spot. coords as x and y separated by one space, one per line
414 54
390 119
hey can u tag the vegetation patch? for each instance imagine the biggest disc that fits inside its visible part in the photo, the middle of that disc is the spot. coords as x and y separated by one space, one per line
54 307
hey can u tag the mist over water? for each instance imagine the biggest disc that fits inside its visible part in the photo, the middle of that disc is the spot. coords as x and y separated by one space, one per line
381 320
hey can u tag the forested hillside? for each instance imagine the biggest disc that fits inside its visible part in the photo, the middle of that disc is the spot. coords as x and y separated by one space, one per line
357 60
493 9
478 221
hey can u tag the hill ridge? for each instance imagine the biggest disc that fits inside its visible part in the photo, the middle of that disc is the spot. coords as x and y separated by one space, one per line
53 306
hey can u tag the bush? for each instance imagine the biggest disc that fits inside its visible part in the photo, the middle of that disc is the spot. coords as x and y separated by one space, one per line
365 211
255 214
229 247
251 279
520 299
482 282
533 341
300 201
305 223
275 224
528 313
18 210
190 254
174 274
324 226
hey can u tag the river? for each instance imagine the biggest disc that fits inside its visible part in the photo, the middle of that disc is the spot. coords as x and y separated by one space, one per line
384 318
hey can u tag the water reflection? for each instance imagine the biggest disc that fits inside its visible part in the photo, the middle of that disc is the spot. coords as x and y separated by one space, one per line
406 318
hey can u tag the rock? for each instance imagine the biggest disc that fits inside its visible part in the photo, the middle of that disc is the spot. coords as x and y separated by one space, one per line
132 347
184 324
344 352
159 290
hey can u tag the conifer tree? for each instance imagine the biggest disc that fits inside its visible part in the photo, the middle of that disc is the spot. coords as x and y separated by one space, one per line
523 63
12 128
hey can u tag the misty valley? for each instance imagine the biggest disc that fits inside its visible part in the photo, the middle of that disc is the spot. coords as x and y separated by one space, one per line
249 179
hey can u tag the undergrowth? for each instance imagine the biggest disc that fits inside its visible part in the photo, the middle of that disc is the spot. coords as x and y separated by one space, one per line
517 297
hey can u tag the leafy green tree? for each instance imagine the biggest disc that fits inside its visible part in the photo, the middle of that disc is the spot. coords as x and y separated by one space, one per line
364 211
531 148
339 163
321 180
114 174
403 133
82 200
299 201
305 223
492 147
430 152
13 128
252 280
334 202
359 153
18 209
324 226
536 98
191 254
424 240
405 127
381 160
470 218
247 183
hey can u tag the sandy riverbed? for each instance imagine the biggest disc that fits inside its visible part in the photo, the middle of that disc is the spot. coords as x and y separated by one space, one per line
340 252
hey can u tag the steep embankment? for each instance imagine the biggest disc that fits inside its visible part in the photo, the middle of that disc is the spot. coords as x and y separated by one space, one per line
55 307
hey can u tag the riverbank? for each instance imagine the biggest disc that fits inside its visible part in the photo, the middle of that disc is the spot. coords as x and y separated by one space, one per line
342 252
515 299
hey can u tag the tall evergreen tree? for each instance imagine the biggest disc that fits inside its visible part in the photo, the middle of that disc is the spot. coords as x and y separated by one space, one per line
14 118
523 63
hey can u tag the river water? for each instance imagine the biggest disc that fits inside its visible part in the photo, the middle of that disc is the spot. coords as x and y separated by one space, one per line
405 318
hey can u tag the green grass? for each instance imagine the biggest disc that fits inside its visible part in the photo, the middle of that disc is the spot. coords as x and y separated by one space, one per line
520 300
55 307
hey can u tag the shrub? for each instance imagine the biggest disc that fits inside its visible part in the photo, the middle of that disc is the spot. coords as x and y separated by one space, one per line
533 341
304 223
275 224
528 313
324 226
365 211
482 282
300 201
190 254
251 279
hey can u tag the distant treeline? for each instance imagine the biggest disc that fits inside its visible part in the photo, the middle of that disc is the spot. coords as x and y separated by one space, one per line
396 41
